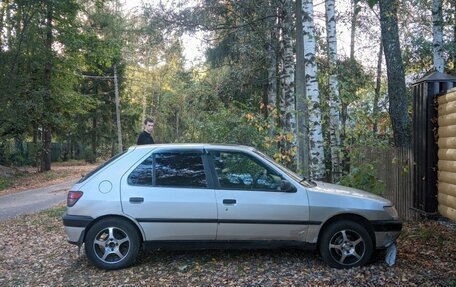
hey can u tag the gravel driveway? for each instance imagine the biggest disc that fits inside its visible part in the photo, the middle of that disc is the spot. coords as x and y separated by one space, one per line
34 252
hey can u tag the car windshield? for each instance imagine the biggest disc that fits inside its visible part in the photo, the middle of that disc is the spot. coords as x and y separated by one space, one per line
302 180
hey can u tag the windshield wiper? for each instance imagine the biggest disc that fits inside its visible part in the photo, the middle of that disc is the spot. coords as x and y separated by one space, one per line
308 181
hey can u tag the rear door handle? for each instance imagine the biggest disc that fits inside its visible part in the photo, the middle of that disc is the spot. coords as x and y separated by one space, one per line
229 201
136 199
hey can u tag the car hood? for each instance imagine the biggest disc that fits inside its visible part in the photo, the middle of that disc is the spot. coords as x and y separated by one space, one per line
340 190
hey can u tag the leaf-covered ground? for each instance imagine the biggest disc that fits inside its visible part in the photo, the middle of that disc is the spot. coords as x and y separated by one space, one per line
34 252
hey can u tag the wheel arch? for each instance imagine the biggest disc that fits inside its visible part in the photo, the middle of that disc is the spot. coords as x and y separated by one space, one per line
116 216
348 217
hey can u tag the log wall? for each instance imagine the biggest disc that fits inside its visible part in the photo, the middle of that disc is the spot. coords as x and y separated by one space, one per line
447 154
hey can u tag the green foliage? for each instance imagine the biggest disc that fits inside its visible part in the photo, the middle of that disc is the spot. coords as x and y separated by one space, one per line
364 177
5 182
54 213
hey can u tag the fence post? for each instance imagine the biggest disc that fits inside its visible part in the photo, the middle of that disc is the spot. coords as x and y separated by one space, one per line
424 141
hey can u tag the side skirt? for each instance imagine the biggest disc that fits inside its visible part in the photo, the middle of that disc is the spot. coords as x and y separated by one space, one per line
226 244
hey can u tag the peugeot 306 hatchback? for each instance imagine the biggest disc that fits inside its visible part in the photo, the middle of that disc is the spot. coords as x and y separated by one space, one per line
218 196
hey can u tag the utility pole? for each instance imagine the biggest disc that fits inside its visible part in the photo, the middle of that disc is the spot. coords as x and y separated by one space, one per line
119 128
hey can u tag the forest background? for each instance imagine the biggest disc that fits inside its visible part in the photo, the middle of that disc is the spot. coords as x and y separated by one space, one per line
83 75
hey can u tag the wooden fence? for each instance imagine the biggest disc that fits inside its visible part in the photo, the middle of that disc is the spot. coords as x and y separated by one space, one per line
394 167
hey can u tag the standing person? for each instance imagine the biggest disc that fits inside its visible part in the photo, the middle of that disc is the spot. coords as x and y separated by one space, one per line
145 137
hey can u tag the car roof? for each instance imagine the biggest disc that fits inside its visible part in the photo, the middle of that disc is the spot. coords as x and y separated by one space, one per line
194 146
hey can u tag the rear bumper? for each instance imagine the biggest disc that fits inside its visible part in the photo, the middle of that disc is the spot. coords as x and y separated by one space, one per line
76 220
75 226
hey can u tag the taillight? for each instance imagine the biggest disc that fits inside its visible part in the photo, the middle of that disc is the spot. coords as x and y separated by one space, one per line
73 197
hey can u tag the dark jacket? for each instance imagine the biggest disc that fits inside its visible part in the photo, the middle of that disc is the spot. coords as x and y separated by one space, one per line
144 138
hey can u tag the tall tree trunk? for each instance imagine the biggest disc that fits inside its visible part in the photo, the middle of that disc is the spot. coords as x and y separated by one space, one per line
353 28
2 15
8 25
315 132
287 99
377 90
437 31
119 126
94 139
302 115
334 100
351 90
272 78
398 108
47 130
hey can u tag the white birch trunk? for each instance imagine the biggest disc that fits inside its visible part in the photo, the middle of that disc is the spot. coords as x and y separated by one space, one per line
287 100
437 31
316 164
334 100
353 28
302 115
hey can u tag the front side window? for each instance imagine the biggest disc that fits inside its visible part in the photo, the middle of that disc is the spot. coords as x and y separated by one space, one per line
240 171
179 170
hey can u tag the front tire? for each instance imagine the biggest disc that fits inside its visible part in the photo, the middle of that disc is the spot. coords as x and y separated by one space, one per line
346 244
112 243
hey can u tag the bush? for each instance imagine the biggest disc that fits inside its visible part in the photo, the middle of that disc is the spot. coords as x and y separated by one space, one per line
364 177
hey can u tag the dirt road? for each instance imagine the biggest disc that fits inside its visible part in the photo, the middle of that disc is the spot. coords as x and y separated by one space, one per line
33 200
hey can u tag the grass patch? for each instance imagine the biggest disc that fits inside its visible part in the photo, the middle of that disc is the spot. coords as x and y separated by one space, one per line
6 182
71 162
56 212
51 175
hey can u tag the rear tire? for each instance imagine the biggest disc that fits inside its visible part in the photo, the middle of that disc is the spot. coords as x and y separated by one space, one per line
346 244
112 243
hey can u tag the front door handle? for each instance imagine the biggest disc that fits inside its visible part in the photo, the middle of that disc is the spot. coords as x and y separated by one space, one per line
229 201
136 199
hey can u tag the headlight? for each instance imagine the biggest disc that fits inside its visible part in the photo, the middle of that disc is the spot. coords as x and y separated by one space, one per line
391 210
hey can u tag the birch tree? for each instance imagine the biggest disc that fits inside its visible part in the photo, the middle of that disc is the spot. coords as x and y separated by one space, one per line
316 163
287 100
354 18
437 31
302 113
334 100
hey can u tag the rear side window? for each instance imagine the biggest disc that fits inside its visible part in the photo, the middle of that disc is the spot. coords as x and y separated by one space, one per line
170 169
179 170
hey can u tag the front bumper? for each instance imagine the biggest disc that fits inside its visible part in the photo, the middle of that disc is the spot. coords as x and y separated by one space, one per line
75 226
386 232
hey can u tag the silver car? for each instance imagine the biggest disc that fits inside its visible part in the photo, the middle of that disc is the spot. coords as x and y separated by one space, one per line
213 196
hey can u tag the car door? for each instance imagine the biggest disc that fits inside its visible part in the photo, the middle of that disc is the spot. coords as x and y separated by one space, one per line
251 203
168 194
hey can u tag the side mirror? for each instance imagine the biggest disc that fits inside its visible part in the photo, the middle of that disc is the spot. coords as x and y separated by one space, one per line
287 186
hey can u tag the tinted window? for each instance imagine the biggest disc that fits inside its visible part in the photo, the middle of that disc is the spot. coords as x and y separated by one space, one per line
142 175
179 170
240 171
